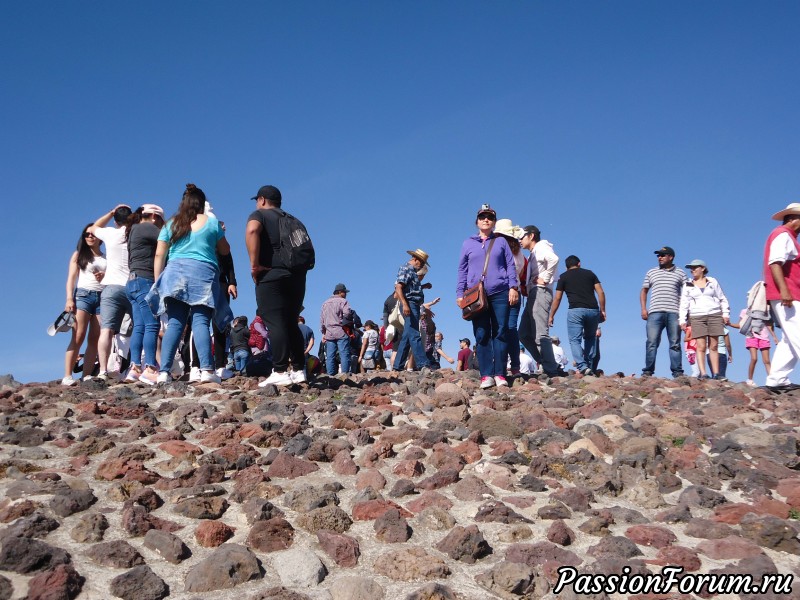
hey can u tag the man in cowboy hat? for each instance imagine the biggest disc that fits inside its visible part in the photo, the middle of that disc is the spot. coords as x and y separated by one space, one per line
333 334
782 281
665 284
410 296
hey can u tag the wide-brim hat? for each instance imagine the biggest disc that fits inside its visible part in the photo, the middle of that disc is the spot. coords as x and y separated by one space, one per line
340 287
420 254
64 322
507 228
792 209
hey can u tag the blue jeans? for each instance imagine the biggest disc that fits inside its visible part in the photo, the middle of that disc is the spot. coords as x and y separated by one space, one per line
582 331
491 330
512 336
656 323
179 313
411 341
341 346
240 358
145 323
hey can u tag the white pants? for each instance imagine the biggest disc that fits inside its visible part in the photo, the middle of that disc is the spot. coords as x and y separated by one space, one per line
787 352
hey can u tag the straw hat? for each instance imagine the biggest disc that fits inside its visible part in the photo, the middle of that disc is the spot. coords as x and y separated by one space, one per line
792 209
507 228
420 254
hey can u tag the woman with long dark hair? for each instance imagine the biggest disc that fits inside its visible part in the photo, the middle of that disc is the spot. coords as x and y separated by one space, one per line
86 269
189 287
491 252
141 234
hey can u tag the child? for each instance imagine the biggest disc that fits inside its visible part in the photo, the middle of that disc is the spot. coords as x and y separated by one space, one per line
757 340
240 346
691 351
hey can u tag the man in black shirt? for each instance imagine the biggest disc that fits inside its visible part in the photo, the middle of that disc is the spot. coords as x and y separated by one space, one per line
585 312
279 291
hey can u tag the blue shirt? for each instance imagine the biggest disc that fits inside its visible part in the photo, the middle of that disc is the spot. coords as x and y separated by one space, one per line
412 288
199 245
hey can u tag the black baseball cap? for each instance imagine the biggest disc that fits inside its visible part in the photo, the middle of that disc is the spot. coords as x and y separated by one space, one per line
665 250
465 340
270 192
531 229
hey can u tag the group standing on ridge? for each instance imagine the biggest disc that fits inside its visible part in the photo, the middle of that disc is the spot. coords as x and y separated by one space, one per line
156 305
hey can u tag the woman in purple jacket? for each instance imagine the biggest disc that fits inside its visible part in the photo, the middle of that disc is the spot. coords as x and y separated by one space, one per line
502 290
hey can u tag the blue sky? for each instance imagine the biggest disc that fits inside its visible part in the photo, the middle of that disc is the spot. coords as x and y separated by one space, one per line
615 127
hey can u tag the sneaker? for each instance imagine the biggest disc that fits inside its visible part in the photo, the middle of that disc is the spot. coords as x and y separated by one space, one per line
487 382
133 373
514 372
751 383
588 372
500 381
69 381
224 373
719 377
277 378
149 376
298 376
194 375
703 377
209 377
103 375
164 377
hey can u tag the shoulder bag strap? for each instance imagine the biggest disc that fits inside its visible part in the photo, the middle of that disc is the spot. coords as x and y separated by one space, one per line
486 262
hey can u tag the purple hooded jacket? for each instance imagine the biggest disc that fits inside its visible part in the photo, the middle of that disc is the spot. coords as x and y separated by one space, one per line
501 273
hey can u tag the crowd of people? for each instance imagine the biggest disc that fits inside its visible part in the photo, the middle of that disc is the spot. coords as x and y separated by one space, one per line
172 280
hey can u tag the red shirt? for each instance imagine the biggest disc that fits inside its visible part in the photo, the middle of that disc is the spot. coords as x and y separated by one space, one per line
463 356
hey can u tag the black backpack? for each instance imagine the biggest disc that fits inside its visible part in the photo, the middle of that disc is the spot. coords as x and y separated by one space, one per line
296 252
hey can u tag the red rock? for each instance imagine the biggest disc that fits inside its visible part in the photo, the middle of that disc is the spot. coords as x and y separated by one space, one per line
218 436
271 535
770 506
470 451
165 436
677 556
114 468
106 423
290 467
559 533
651 535
427 499
370 478
732 513
731 547
88 407
211 534
61 583
793 499
501 447
440 479
343 549
248 430
11 512
372 509
521 501
408 468
370 398
343 464
179 448
788 486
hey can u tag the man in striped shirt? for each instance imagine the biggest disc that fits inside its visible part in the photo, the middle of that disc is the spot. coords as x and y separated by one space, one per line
665 284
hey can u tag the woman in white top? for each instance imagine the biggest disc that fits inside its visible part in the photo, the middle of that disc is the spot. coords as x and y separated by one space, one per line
369 347
87 266
704 305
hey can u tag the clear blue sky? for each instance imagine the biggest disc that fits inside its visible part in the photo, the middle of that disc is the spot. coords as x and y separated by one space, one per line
616 127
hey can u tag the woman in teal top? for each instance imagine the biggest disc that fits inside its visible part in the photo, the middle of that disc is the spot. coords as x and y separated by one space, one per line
189 284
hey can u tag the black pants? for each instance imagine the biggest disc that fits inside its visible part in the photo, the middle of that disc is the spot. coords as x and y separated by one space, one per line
280 302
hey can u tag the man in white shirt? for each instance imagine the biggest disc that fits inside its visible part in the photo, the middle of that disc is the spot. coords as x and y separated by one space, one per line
114 303
534 330
782 281
526 364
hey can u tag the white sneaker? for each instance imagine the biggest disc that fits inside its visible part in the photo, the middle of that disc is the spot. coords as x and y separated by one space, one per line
194 375
298 376
277 378
164 377
751 383
500 381
487 382
133 373
209 377
224 373
69 381
103 375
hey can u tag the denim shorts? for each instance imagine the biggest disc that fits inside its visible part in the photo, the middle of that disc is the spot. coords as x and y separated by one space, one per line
114 304
87 300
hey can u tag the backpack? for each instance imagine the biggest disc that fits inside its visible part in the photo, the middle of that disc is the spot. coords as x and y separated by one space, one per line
256 340
296 251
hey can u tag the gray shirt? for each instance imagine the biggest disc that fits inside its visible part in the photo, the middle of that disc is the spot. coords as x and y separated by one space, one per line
142 241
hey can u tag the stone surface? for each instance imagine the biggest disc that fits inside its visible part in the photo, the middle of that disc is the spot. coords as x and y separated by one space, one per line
299 568
228 566
465 544
411 564
140 583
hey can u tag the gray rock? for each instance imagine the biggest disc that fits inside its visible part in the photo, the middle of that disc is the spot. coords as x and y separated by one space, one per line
89 528
327 517
258 509
6 589
169 546
770 532
228 566
616 546
70 502
202 508
356 588
465 544
118 553
696 495
436 518
299 568
280 593
390 527
433 591
26 555
308 497
508 580
140 583
36 525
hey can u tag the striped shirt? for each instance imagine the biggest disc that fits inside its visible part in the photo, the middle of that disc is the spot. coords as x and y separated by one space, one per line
666 286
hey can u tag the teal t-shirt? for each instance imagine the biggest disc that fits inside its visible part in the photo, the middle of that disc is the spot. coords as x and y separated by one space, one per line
199 245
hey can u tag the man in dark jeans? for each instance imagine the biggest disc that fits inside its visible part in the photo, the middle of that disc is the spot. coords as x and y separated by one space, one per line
279 291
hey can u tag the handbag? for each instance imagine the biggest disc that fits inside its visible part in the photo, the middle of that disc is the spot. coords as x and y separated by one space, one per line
396 316
475 301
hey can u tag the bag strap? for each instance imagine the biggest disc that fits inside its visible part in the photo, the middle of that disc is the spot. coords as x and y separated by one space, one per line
486 261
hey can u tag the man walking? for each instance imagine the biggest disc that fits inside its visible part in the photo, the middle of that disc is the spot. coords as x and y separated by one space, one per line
665 284
280 291
333 334
410 296
534 331
585 312
782 281
114 301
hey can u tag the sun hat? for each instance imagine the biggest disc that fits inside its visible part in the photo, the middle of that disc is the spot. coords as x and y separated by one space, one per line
340 287
507 228
64 322
792 209
420 254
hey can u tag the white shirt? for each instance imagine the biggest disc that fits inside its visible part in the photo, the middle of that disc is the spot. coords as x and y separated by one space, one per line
560 356
782 249
117 271
526 364
542 265
86 279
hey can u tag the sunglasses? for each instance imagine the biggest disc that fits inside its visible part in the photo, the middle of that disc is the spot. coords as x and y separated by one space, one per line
88 234
486 217
662 255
